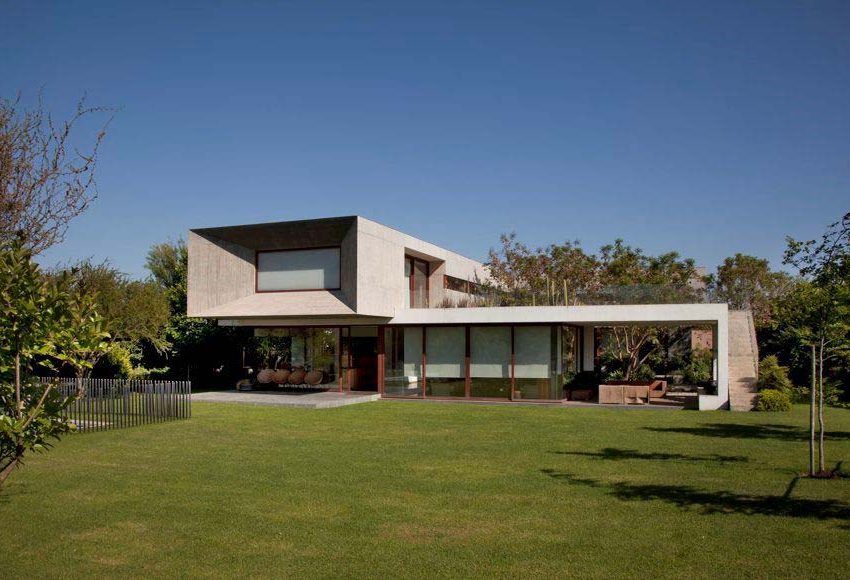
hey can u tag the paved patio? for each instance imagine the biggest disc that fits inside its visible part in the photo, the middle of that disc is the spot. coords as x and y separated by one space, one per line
324 400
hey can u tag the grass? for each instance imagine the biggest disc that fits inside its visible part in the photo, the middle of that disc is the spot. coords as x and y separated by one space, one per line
396 489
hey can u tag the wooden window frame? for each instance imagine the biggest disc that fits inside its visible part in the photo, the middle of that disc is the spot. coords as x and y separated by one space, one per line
411 285
467 362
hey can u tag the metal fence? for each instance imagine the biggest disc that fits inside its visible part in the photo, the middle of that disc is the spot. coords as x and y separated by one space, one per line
117 403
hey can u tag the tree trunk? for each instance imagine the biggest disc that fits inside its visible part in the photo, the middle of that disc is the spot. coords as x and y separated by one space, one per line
7 471
19 407
821 458
812 400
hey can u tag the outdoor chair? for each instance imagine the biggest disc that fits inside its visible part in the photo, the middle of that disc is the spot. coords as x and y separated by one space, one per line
657 389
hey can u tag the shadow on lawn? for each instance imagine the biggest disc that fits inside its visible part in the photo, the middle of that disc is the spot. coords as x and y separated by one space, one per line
615 454
739 431
715 502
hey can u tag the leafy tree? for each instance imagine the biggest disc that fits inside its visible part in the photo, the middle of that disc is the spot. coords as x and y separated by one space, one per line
198 348
39 321
747 283
46 175
566 274
823 318
134 313
168 263
628 275
556 274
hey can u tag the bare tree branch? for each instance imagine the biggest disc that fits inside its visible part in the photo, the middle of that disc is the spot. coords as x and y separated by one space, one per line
45 180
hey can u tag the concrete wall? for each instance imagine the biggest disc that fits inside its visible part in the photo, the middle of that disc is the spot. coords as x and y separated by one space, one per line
219 272
372 282
381 287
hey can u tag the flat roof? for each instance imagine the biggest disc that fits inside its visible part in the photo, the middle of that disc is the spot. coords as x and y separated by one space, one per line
599 315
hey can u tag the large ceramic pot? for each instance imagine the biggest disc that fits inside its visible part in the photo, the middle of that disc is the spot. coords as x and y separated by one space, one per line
297 376
281 376
314 377
265 376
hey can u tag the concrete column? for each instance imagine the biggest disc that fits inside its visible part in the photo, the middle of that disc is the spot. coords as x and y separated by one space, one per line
588 353
722 349
714 353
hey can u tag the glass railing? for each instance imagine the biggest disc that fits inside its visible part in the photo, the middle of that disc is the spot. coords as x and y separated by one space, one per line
627 294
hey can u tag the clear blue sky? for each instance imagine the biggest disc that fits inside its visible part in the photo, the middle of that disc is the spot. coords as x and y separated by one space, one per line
706 127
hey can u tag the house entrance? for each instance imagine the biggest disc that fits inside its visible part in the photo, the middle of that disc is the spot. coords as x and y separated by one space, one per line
363 357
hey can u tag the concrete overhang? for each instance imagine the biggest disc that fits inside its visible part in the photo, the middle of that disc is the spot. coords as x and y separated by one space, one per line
598 315
277 304
284 235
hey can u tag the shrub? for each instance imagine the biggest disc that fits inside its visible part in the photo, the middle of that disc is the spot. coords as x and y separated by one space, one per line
644 373
832 394
772 375
771 400
699 368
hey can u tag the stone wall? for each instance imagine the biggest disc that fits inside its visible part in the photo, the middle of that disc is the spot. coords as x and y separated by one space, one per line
743 361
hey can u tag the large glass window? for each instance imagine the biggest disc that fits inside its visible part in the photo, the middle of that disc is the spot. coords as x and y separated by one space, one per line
535 353
403 361
316 269
305 356
416 276
569 352
445 361
490 361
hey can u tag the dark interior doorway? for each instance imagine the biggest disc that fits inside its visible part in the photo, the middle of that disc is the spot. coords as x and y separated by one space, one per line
364 363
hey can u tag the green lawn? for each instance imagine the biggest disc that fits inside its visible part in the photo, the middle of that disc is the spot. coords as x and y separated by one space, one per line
395 489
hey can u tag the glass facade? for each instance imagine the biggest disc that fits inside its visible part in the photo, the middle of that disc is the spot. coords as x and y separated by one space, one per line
490 361
403 361
445 361
434 361
544 358
535 363
313 352
569 352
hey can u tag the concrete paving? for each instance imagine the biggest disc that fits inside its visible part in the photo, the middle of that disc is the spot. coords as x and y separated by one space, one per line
324 400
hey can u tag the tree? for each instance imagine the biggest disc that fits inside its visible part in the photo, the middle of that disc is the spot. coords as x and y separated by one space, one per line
825 322
198 348
168 263
627 275
747 283
39 321
46 177
619 274
556 274
134 313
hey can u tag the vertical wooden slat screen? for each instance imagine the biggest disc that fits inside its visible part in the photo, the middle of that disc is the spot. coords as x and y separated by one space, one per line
118 403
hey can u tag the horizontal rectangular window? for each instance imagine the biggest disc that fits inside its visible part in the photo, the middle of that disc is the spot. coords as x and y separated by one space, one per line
456 284
461 285
316 269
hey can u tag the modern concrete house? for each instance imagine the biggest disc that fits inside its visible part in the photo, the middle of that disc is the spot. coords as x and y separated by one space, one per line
362 307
